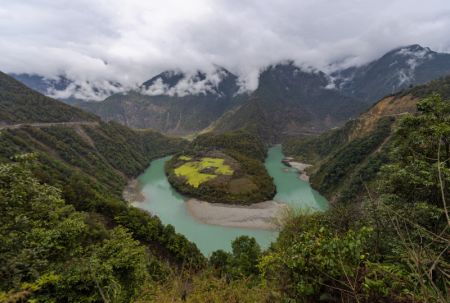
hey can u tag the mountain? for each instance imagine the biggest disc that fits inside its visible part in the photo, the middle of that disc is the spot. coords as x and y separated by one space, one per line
68 90
20 104
347 159
394 71
173 102
290 100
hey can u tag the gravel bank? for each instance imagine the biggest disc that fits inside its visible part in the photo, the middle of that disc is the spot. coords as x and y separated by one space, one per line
263 215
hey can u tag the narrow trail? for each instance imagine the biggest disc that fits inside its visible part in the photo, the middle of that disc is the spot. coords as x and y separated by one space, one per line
48 124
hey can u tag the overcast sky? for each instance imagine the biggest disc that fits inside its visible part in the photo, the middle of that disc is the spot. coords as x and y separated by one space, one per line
132 40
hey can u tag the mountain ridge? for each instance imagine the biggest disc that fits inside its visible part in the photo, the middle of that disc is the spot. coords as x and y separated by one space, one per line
173 102
396 70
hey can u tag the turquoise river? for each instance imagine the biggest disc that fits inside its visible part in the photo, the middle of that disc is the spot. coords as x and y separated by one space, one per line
162 200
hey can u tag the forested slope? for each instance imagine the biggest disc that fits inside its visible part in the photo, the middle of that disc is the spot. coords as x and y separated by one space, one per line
347 159
87 166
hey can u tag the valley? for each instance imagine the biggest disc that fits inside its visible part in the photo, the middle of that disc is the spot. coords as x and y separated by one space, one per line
295 192
213 226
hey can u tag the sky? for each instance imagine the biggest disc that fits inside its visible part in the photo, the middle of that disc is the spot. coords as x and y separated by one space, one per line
131 41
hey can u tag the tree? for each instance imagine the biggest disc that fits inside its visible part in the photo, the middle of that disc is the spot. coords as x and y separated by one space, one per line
246 255
50 253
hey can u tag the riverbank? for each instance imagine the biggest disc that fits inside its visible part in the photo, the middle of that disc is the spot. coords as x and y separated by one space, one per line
264 215
133 192
299 166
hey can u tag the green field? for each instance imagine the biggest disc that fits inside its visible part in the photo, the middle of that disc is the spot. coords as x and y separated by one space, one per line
194 173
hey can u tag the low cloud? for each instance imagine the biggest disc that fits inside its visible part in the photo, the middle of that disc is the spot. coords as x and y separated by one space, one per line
85 90
189 84
131 41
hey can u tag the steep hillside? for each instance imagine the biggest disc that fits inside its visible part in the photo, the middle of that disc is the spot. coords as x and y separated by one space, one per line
347 159
90 165
173 102
289 100
394 71
20 104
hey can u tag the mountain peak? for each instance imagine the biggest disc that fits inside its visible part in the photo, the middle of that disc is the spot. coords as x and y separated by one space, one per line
396 70
414 51
178 83
412 48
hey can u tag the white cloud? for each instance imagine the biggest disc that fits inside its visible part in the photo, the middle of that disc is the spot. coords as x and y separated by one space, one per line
85 90
190 84
130 41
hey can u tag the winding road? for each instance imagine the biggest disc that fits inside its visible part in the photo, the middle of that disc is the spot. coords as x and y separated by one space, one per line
48 124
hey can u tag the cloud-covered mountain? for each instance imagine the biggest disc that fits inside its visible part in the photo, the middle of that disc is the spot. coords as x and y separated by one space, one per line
68 90
126 41
396 70
174 102
176 83
20 104
291 100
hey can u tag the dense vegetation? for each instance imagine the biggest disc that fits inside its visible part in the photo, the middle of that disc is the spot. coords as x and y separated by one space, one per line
390 247
343 165
239 141
87 166
91 177
440 86
52 253
346 160
312 149
243 153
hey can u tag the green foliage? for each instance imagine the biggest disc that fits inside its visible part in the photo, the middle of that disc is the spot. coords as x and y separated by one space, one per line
239 141
220 261
241 263
246 254
207 287
314 148
92 180
91 174
310 260
344 162
249 183
48 252
440 86
392 247
421 153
